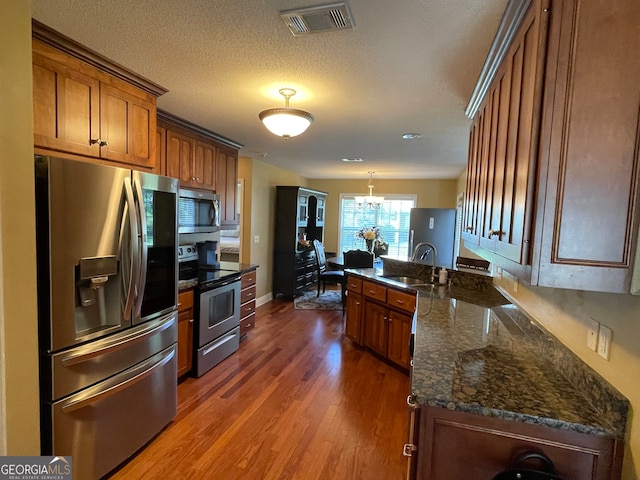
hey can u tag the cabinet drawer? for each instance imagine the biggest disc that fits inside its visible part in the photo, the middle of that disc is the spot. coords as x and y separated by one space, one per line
247 308
185 300
247 323
354 284
401 300
248 294
374 290
248 279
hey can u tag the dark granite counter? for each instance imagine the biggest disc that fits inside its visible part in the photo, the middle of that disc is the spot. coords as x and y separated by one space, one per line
478 353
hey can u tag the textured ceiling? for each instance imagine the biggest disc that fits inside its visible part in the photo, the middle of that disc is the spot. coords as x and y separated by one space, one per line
407 66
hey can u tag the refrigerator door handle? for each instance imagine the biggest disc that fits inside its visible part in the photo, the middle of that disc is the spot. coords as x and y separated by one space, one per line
133 242
142 371
411 232
117 342
142 246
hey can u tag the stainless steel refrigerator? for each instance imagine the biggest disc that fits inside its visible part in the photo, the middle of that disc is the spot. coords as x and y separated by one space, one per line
436 226
107 310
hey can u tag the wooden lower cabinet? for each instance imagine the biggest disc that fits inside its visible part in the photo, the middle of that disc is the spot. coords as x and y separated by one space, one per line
248 303
380 318
185 332
455 445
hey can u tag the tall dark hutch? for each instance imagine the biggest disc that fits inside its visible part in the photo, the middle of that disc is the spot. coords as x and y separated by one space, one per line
299 221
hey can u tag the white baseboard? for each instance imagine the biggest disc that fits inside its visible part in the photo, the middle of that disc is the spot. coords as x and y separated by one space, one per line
264 299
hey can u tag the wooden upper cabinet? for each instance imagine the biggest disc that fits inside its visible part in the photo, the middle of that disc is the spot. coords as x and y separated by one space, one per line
86 105
503 148
556 134
227 184
66 107
198 158
590 142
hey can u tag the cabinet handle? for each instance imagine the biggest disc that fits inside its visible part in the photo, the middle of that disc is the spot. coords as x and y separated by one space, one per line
95 141
191 320
357 303
103 143
401 302
495 232
469 228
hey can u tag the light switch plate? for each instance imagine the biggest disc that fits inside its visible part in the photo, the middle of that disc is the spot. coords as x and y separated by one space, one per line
593 329
604 341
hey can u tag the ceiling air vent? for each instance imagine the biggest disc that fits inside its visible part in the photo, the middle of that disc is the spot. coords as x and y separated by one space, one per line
321 18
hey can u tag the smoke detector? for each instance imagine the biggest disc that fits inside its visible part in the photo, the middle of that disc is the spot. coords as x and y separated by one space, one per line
321 18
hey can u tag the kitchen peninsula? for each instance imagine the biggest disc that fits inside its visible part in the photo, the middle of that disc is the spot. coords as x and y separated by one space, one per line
488 383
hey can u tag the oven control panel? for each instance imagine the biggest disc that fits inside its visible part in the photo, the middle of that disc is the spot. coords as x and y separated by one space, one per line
187 252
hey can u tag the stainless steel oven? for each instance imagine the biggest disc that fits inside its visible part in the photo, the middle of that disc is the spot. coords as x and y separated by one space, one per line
218 324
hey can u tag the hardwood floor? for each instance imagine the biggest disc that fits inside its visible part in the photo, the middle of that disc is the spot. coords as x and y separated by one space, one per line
297 401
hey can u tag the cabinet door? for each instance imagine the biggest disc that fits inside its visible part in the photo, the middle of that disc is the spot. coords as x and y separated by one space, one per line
320 211
204 165
65 108
590 148
353 323
127 127
399 338
303 209
180 151
375 321
185 332
227 184
161 150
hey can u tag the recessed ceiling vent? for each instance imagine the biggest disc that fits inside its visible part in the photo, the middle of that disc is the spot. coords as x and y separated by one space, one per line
321 18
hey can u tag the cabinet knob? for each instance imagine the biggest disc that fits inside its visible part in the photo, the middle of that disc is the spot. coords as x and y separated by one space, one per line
191 320
469 228
95 141
495 233
103 143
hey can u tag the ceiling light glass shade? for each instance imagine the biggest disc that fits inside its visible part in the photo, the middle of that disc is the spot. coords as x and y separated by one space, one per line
369 201
286 122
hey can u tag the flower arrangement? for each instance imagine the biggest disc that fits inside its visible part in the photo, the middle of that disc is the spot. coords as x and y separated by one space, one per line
372 233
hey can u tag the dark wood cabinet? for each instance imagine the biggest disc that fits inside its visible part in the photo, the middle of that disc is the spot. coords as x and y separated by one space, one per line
552 180
454 445
247 302
86 105
185 332
380 318
503 149
296 226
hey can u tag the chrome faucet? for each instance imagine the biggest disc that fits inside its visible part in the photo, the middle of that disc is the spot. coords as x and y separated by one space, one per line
431 248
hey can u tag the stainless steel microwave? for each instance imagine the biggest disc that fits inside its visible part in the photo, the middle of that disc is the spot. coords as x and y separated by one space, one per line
198 211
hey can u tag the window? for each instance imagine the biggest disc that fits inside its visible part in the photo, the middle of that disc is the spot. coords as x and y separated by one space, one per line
392 218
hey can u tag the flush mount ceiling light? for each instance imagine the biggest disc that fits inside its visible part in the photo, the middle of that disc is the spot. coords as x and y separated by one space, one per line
286 122
411 136
355 159
370 200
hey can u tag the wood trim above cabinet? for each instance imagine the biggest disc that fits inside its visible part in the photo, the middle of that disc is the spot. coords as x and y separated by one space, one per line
509 25
72 48
175 121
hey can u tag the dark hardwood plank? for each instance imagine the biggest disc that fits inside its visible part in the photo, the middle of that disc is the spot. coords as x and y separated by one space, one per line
297 401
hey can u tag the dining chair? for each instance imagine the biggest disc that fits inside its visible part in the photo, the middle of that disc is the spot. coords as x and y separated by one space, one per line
357 259
327 276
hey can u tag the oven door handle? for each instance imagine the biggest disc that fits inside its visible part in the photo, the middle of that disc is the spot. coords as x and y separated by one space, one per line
224 283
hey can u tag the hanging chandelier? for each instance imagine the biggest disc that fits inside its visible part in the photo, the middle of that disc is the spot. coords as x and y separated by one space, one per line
286 122
369 201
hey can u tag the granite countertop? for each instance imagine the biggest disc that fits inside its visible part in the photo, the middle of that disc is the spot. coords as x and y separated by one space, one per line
476 352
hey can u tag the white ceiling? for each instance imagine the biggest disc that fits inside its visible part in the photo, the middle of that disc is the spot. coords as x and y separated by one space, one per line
407 66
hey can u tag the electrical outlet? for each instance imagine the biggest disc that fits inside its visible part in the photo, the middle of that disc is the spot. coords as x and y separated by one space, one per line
256 239
604 341
593 330
516 282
